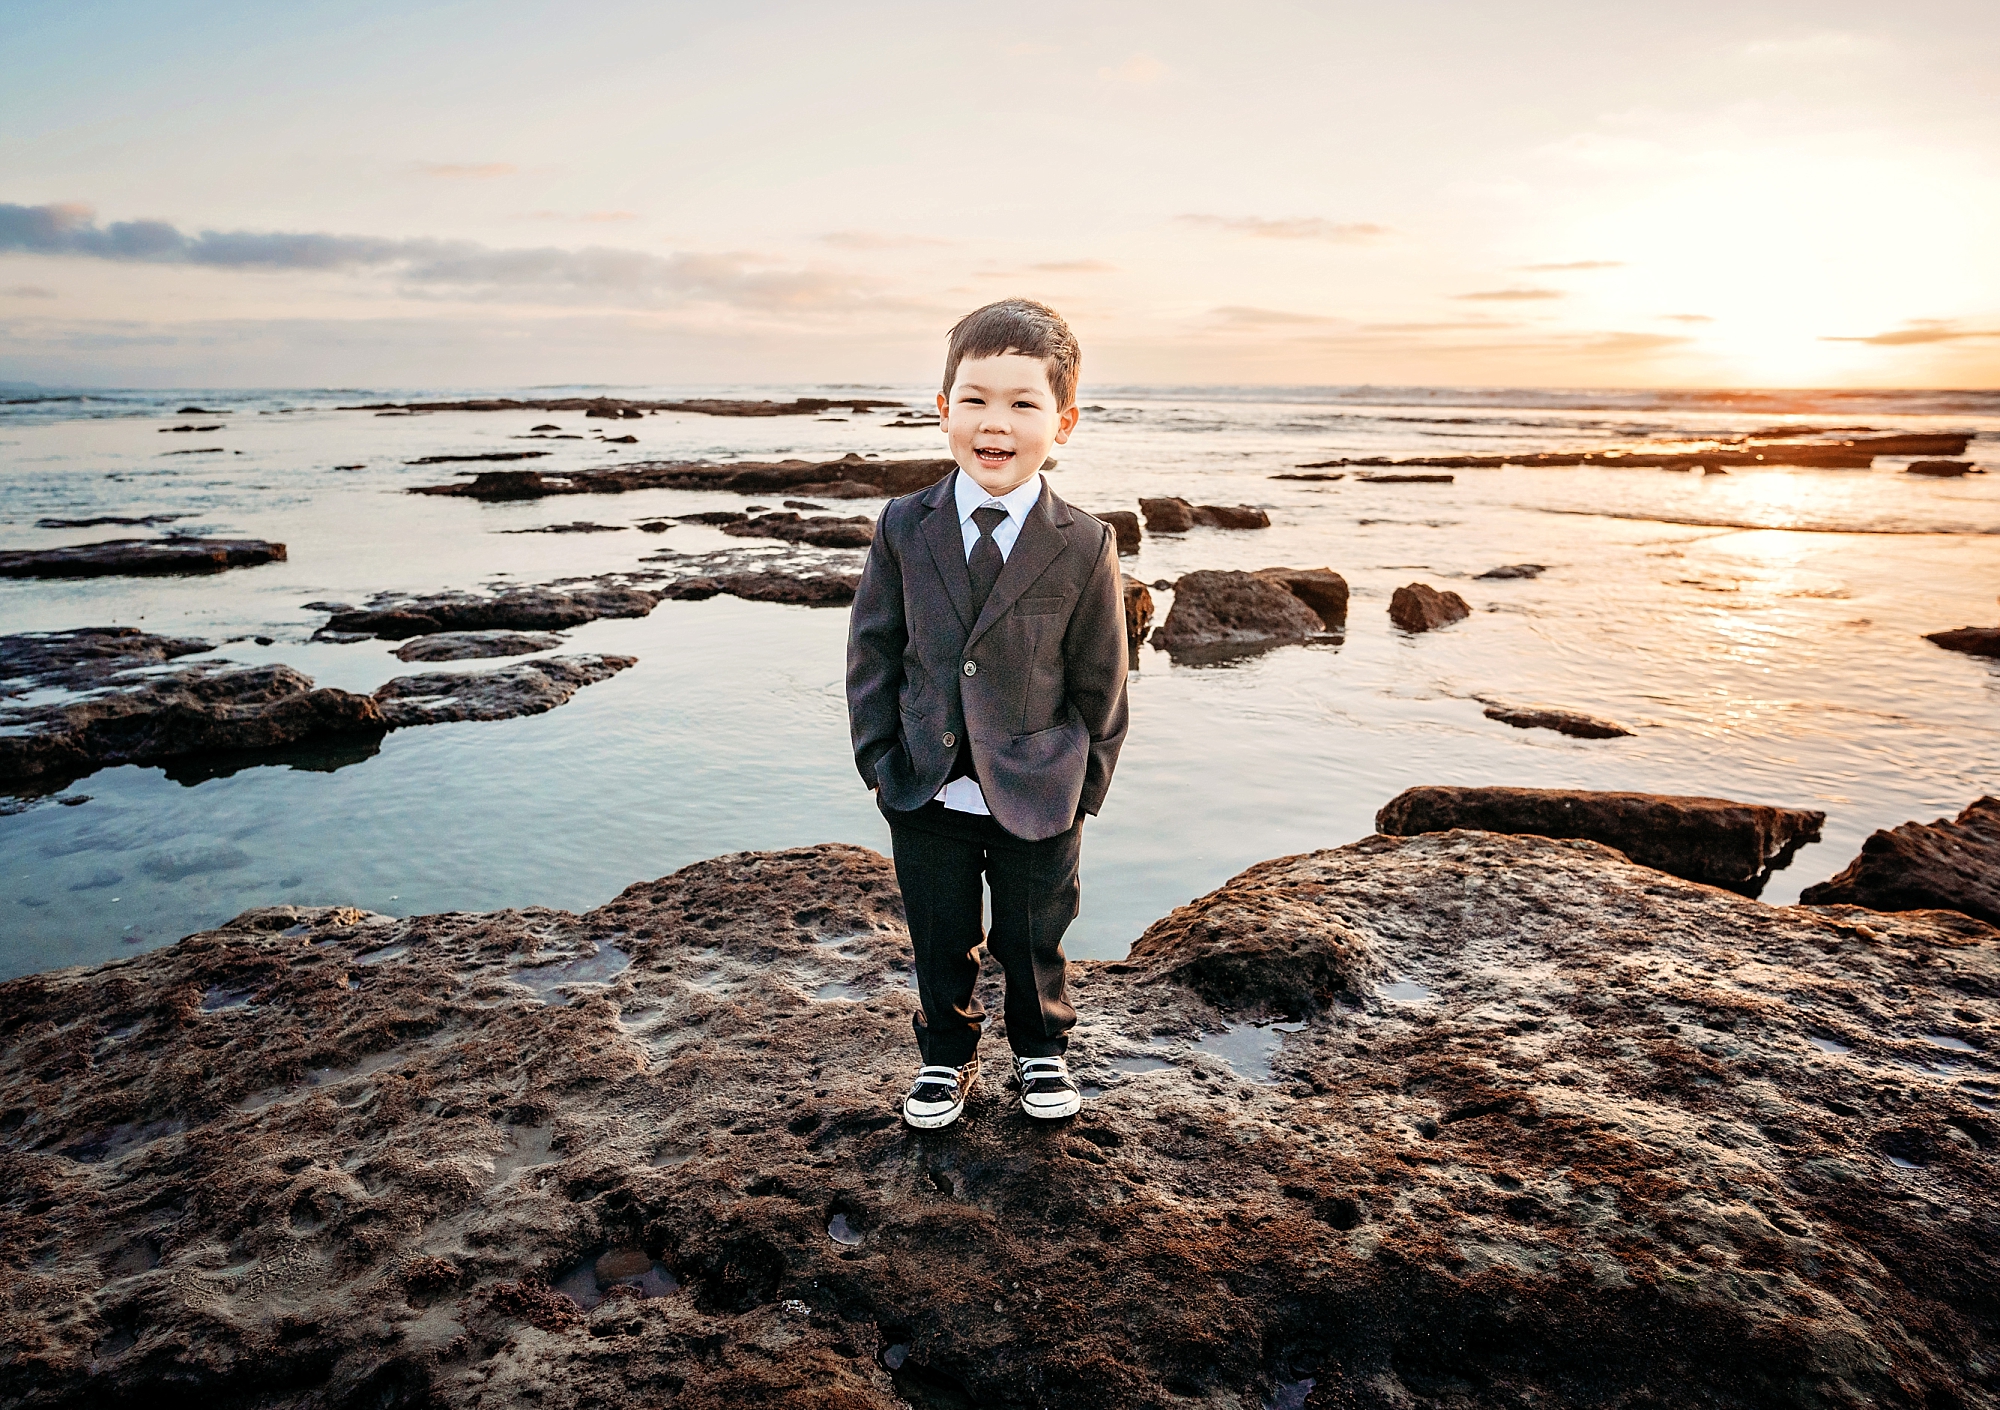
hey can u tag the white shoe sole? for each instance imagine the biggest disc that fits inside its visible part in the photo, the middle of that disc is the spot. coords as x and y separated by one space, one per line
932 1123
1055 1113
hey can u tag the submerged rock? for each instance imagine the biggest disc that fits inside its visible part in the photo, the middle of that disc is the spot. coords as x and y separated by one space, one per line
139 558
1973 641
1562 721
1515 570
528 688
85 656
1234 610
216 708
395 618
850 477
1669 1138
821 588
1422 608
470 646
822 530
617 408
1138 611
1951 864
1712 840
1940 469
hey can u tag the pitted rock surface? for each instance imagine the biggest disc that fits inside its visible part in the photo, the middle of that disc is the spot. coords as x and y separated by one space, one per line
525 688
1558 1131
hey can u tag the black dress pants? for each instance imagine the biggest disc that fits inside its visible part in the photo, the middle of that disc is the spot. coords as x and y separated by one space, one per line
941 857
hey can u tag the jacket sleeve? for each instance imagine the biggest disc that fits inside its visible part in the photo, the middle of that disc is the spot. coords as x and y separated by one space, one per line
1094 660
876 635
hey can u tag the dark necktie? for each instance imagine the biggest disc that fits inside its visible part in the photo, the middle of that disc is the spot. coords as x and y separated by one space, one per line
984 562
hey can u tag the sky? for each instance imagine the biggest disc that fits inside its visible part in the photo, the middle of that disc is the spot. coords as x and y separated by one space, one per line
1712 193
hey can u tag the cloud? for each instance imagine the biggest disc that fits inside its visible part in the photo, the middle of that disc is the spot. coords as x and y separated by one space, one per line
458 171
1573 264
436 267
872 240
1296 228
1142 70
1074 266
1510 296
28 291
589 217
1243 316
1823 47
1687 318
1918 332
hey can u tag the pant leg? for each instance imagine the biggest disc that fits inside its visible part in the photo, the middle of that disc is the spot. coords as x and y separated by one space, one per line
1035 897
940 878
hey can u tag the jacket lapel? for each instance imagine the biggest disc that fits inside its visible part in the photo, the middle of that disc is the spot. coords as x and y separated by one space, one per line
946 542
1041 542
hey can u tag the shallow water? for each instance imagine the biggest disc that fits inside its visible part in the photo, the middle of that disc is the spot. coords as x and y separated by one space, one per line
1780 663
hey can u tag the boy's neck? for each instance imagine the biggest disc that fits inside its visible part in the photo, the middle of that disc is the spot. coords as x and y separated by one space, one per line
998 490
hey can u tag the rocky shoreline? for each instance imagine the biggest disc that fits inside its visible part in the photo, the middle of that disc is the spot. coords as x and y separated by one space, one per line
1602 1138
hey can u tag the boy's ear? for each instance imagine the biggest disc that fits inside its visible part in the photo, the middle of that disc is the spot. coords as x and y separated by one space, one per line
1066 422
944 406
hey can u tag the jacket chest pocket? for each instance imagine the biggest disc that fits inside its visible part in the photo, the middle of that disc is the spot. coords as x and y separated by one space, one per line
1040 606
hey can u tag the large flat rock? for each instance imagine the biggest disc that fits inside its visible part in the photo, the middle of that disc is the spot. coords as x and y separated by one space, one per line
505 693
1551 1130
1713 840
1950 864
139 558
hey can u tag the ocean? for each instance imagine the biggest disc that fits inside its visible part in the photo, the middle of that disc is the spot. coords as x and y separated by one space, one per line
1761 632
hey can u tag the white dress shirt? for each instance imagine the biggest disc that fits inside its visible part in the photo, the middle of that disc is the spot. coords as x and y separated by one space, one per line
963 794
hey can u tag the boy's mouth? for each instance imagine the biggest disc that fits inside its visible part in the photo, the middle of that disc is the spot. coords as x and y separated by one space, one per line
988 455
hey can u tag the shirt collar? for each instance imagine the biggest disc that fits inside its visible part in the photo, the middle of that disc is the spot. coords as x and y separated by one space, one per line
968 496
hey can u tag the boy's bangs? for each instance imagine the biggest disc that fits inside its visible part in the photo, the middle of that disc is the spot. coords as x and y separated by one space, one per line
1018 326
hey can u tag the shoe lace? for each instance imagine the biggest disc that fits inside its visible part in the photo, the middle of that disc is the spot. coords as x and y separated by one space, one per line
943 1076
1042 1068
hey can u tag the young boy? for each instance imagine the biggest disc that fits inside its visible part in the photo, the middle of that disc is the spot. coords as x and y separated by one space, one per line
986 698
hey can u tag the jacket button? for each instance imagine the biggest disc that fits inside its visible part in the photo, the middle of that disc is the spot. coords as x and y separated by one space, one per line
972 668
950 739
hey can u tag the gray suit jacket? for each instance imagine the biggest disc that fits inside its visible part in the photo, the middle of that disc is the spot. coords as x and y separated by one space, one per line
1038 681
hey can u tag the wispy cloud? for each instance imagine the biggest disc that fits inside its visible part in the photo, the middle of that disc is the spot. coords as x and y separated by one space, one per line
587 217
1919 331
1245 316
435 266
1074 266
459 171
1141 70
28 291
1510 296
1294 228
1823 47
1572 264
1687 318
874 240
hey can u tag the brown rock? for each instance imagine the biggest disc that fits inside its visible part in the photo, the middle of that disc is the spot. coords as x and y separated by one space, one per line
1974 641
798 589
1941 469
1230 610
1562 721
139 558
473 646
483 455
526 688
86 657
1712 840
1231 516
211 709
1515 570
1167 516
822 530
1125 524
1422 608
535 609
850 477
1950 864
1404 479
1321 589
1138 611
1600 1159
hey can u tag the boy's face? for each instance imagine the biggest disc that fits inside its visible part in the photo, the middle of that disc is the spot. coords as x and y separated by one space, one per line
1001 419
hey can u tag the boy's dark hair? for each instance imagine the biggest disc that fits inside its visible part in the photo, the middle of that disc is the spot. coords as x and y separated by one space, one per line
1018 326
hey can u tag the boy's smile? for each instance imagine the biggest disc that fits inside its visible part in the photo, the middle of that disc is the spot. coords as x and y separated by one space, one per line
1002 419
